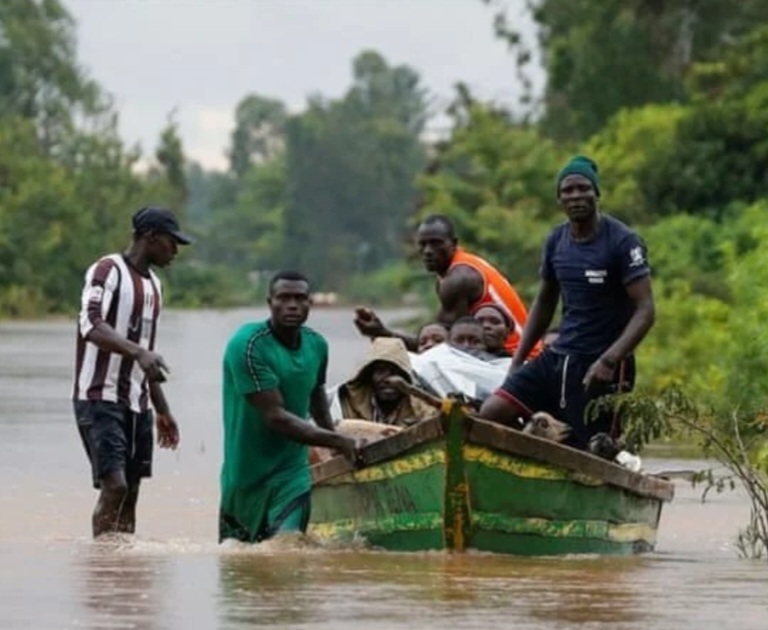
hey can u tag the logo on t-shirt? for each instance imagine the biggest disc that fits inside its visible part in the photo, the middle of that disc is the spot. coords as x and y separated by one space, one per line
595 276
636 257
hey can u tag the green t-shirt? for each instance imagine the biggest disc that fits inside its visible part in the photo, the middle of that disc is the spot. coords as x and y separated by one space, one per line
261 465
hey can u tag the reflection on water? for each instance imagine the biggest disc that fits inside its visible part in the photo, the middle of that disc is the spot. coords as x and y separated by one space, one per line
174 576
273 591
120 590
382 590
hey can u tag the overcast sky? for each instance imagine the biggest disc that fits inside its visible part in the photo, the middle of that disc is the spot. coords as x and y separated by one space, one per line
201 57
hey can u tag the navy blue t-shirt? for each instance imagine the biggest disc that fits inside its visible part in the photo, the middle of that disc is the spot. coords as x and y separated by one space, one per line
592 276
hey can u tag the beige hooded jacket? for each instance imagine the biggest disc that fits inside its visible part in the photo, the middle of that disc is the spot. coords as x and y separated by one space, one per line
356 395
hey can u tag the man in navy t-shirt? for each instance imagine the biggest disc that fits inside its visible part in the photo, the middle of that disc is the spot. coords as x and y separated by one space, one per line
600 268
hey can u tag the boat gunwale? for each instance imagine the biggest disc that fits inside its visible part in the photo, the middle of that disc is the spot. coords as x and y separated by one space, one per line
506 440
513 442
382 450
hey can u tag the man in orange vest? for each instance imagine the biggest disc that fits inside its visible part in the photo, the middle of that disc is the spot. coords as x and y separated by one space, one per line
465 283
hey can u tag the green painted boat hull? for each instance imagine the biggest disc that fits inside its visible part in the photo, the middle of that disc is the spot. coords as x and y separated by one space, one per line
458 483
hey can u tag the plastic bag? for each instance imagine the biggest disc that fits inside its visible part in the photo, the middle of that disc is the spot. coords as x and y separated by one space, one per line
446 370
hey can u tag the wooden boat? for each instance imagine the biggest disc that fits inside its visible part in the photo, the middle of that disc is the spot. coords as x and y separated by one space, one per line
457 482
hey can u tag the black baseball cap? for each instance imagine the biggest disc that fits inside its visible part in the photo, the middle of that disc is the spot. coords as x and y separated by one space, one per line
153 219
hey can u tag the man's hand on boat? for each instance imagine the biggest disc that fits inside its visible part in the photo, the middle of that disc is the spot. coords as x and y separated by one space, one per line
368 323
351 448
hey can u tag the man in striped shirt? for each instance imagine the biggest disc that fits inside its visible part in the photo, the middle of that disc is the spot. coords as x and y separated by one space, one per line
117 371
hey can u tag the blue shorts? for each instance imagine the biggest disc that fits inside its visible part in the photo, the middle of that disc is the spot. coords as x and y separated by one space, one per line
553 382
115 438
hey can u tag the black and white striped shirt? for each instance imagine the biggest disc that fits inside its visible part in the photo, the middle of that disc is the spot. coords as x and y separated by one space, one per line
129 302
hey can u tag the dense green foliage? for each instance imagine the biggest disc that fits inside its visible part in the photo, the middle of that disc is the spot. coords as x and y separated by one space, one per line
67 182
335 189
328 189
603 56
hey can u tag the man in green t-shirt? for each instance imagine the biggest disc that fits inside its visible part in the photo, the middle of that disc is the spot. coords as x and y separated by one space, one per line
274 378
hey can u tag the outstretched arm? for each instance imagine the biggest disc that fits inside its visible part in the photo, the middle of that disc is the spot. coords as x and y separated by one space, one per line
282 421
254 377
457 291
370 325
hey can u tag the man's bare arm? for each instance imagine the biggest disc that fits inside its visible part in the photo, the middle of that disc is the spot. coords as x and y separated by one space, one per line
370 325
107 338
458 290
157 396
539 319
167 428
604 369
643 317
282 421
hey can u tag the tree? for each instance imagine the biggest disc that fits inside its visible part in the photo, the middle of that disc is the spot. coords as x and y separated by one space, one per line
38 208
351 166
719 157
627 150
40 78
68 184
605 55
381 91
170 157
258 134
247 236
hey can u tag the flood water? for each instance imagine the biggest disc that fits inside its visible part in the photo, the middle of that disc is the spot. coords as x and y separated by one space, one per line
173 575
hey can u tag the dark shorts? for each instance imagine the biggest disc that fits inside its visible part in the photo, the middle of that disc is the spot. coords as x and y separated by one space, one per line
115 438
552 382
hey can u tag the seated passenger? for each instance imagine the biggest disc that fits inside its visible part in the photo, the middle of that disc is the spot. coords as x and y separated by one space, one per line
496 326
431 335
466 334
369 395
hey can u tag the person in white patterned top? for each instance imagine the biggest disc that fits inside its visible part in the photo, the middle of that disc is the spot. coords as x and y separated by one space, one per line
117 371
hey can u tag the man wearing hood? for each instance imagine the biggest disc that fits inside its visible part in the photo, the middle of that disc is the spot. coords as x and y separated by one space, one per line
369 395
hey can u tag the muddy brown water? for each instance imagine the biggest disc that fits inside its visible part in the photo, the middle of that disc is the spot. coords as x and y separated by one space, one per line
172 574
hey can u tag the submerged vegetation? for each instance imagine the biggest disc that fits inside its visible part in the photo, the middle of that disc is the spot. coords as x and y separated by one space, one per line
735 435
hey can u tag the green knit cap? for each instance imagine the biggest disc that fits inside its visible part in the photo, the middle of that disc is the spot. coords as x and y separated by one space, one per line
580 165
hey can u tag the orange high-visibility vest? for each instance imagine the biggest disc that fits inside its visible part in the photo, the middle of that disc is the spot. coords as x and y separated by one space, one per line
497 290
